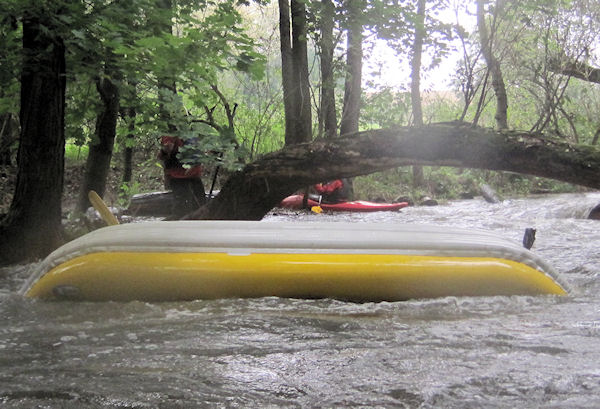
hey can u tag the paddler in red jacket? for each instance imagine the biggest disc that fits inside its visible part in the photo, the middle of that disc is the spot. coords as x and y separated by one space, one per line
334 191
186 183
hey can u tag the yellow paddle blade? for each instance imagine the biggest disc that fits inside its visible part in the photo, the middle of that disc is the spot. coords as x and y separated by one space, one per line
101 208
316 209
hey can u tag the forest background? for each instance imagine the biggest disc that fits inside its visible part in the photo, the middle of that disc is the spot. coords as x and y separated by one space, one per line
242 80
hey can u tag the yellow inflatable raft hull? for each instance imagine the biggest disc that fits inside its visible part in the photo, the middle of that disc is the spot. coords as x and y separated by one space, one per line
167 261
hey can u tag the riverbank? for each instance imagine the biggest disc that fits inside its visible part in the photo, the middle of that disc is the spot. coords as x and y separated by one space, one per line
147 178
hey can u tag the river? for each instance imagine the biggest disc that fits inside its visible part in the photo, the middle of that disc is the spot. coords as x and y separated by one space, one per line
455 352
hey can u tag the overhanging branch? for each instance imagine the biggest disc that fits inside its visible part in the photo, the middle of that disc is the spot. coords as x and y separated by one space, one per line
253 191
576 69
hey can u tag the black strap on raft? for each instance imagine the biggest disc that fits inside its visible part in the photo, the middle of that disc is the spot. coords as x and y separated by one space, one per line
214 179
528 238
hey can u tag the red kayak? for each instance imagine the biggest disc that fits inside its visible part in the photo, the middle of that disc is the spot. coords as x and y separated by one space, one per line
295 202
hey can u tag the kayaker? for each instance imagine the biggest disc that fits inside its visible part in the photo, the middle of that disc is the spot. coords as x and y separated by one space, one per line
185 183
334 191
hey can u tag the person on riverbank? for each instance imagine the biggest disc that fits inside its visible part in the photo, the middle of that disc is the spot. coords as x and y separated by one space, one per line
185 183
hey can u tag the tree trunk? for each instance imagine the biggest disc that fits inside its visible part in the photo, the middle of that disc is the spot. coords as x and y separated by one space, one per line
303 130
294 63
415 85
9 134
162 25
250 193
130 114
353 81
127 163
352 89
327 117
32 227
494 67
101 147
287 70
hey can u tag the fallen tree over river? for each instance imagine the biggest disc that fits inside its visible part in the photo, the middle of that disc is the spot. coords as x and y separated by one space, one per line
251 192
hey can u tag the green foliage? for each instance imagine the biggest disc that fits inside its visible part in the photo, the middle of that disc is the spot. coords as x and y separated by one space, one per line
126 192
75 153
444 183
166 62
10 62
206 146
385 108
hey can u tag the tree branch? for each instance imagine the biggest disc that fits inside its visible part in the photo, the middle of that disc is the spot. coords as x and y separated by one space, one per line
575 69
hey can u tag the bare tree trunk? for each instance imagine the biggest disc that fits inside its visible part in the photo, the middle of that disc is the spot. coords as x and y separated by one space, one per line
328 116
596 136
32 227
101 147
352 89
353 82
167 88
287 68
415 86
294 61
300 58
494 67
129 114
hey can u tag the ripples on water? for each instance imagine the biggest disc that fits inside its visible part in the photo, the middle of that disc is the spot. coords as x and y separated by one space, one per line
457 352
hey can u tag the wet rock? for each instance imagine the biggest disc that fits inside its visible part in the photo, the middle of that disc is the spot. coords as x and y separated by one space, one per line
529 238
489 194
427 201
406 199
595 213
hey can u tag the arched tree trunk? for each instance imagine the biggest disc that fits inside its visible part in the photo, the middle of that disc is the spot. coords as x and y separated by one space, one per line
250 193
32 227
575 69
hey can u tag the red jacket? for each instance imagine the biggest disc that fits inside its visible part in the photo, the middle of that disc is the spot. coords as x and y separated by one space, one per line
329 187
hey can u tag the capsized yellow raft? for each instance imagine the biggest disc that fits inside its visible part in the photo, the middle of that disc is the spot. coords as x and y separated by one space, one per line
186 260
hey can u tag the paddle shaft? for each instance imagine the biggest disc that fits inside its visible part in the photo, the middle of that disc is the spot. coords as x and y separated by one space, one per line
101 208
